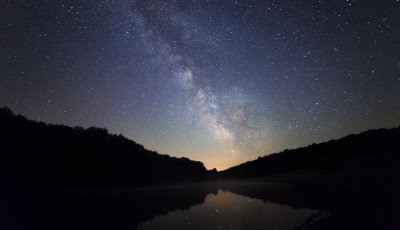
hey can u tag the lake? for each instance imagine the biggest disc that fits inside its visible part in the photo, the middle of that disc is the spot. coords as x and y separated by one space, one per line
226 210
234 205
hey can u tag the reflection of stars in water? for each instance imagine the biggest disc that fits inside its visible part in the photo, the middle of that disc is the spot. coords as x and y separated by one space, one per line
256 214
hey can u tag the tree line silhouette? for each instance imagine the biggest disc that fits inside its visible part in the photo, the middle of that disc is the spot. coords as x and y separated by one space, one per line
326 157
36 154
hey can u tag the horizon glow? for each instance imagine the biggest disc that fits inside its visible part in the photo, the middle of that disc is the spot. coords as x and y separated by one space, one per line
222 82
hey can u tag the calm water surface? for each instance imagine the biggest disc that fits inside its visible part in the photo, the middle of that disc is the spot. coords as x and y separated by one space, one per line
195 206
226 210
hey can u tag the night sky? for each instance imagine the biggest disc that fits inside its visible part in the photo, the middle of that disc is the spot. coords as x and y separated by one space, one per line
222 82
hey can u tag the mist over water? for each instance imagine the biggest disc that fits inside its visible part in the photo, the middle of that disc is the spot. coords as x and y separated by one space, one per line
186 206
226 210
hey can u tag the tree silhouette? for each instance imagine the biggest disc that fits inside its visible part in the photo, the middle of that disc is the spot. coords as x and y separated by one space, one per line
326 157
35 154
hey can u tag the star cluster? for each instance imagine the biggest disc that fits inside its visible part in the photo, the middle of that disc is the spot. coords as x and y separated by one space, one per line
222 82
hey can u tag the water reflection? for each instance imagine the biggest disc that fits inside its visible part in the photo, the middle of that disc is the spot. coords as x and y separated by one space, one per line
196 206
227 210
97 209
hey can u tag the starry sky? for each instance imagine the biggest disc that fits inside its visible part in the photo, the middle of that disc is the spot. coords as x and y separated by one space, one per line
222 82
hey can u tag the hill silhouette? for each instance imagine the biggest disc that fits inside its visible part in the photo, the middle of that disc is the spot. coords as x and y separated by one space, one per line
39 155
326 157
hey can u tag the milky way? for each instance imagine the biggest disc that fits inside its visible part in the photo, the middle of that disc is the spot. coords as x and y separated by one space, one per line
218 81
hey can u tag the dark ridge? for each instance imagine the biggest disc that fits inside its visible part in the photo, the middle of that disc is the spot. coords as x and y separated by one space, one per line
326 157
38 155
